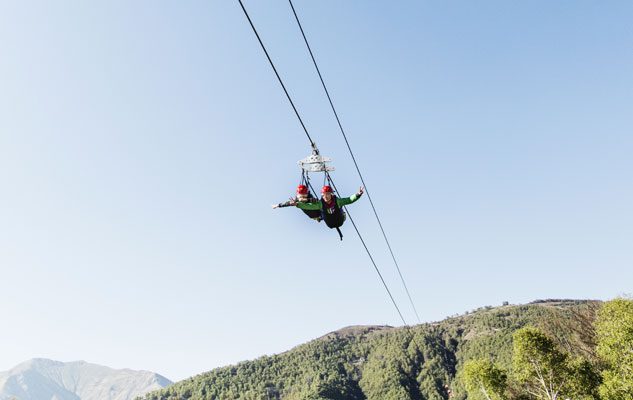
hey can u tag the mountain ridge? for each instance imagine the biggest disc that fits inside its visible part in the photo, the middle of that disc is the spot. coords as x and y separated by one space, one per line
378 361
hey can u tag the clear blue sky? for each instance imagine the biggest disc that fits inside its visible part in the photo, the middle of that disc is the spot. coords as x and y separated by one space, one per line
142 144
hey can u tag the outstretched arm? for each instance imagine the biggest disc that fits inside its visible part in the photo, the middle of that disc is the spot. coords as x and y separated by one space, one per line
288 203
351 199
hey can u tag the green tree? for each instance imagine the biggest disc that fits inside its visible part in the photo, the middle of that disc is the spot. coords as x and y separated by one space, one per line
614 328
538 365
584 380
484 380
384 377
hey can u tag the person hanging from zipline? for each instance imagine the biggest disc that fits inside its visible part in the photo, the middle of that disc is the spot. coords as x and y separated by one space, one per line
331 207
303 196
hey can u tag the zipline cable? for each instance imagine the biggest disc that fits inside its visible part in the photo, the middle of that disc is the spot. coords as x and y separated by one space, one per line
327 92
406 326
367 250
277 74
312 143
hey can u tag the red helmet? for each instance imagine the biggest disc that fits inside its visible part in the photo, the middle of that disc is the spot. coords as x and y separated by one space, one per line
302 189
326 189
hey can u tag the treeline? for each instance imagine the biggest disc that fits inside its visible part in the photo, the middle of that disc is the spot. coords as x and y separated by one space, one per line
468 356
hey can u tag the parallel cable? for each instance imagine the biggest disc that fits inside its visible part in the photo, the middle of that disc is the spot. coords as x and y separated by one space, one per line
277 74
312 143
353 158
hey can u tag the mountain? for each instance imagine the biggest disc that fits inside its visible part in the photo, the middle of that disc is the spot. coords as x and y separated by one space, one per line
422 362
42 379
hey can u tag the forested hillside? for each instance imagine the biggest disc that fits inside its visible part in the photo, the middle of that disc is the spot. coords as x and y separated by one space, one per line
381 362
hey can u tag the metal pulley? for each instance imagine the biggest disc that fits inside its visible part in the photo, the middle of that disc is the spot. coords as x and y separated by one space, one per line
315 162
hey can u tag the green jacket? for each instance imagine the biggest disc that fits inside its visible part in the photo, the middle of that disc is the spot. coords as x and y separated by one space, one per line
316 205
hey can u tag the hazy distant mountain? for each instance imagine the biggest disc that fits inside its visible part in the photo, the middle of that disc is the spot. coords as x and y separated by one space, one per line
41 379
